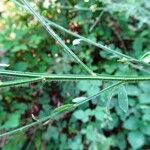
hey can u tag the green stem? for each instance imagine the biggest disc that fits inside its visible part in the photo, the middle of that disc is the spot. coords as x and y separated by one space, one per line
104 47
99 93
29 125
19 82
56 112
72 77
56 37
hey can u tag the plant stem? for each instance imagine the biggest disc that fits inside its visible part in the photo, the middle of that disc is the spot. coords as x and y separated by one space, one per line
104 47
73 77
19 82
56 112
29 125
56 37
99 93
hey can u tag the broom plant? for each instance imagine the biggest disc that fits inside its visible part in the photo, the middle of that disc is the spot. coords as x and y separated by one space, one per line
31 77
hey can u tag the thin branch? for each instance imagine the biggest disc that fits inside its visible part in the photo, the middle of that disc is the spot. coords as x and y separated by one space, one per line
103 47
72 77
29 125
58 111
56 37
96 21
19 82
99 93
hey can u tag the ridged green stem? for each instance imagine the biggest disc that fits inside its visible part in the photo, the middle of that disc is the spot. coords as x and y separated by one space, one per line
72 77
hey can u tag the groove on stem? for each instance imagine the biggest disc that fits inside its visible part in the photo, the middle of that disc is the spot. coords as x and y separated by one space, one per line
73 77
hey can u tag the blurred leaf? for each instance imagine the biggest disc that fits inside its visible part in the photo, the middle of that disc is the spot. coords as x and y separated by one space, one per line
146 115
136 139
19 48
133 90
145 128
82 115
52 132
21 66
123 98
144 98
13 121
110 67
137 46
144 86
76 143
90 133
99 113
132 123
91 87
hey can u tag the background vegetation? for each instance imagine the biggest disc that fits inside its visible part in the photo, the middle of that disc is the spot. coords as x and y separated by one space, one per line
99 124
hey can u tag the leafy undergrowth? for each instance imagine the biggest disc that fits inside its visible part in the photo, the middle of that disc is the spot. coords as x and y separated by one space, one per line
118 118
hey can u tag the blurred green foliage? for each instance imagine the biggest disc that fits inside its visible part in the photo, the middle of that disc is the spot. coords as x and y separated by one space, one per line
101 124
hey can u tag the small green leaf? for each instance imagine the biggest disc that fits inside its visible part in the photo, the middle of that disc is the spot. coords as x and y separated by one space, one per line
123 98
133 90
138 46
64 108
78 99
99 113
91 87
144 98
13 121
132 123
21 66
145 128
82 115
136 139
